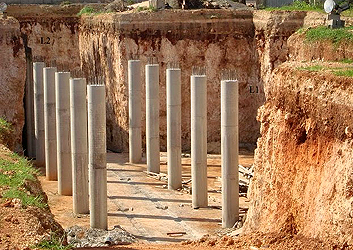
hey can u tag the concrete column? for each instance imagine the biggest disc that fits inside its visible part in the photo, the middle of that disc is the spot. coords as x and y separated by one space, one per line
174 128
51 171
135 142
152 118
62 94
199 141
29 99
39 112
97 156
229 152
79 147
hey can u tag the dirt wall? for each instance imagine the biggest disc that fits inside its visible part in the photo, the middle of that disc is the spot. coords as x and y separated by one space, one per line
217 39
303 164
50 32
12 79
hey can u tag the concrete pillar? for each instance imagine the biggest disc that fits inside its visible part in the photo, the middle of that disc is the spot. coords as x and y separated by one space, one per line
229 152
199 141
51 171
174 127
135 142
62 94
152 118
29 99
97 156
79 147
39 112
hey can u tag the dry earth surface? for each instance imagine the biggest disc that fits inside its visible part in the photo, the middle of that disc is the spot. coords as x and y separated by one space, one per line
22 228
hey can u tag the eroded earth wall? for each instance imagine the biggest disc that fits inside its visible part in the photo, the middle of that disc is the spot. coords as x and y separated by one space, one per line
12 79
252 43
50 32
303 178
218 40
303 162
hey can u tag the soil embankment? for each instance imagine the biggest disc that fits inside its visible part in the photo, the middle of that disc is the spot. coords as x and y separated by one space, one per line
12 79
303 164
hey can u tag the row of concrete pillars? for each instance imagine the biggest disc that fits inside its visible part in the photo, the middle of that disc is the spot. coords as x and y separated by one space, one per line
70 138
229 132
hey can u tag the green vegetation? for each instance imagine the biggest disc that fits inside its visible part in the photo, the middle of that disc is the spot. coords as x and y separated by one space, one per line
152 9
314 68
54 243
338 71
300 6
5 129
142 8
63 3
347 60
347 72
86 10
15 171
324 33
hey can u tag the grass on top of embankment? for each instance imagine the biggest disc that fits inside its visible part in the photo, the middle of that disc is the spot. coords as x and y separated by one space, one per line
304 6
346 72
338 71
322 33
299 6
314 68
15 172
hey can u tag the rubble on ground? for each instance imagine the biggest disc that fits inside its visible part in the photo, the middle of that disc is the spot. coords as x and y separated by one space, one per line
92 237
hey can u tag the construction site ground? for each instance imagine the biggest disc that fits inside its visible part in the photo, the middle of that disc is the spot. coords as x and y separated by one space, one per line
143 206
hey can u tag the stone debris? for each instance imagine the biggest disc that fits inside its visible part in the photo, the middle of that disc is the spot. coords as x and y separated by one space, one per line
91 237
163 207
246 173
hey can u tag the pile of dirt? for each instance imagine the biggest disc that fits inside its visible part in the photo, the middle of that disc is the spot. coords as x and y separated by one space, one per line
286 238
23 226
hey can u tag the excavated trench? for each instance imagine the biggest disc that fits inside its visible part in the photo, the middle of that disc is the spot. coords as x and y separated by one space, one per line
301 121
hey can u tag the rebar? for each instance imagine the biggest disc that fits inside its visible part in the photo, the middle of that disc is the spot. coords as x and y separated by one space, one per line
152 60
173 65
76 73
96 80
229 75
134 57
198 71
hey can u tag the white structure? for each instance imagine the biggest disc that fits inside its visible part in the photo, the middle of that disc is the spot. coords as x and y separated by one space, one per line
229 152
174 127
152 118
199 141
135 141
79 147
39 112
62 94
50 124
97 156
